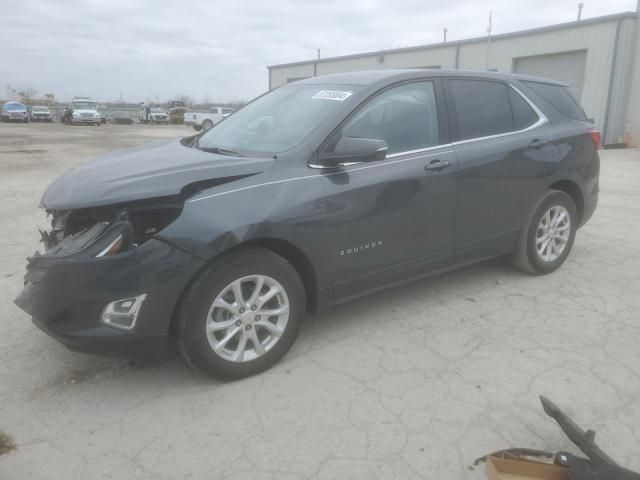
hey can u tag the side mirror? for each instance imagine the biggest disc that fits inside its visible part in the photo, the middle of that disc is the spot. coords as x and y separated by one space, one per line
350 150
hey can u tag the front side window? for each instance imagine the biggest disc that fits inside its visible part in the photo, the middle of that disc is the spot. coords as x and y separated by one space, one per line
279 120
482 108
405 117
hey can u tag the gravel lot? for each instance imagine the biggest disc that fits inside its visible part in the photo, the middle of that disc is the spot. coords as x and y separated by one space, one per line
415 382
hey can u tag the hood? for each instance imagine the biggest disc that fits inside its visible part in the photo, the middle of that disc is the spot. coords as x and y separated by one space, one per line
84 110
154 170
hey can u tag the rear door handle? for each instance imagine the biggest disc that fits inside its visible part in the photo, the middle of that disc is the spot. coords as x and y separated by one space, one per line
537 143
436 165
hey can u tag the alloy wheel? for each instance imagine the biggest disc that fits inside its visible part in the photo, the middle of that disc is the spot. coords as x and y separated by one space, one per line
247 318
554 231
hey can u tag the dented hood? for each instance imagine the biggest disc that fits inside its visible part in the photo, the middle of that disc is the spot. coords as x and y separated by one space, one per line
157 169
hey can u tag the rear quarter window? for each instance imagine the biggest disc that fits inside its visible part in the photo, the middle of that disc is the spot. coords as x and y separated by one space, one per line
523 115
559 98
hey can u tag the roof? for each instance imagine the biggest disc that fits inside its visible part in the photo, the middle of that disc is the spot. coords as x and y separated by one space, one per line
502 36
370 77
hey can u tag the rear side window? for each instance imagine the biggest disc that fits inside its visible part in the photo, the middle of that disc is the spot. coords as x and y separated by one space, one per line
523 115
559 98
482 108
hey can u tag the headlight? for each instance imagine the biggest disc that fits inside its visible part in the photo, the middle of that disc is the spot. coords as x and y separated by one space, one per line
114 247
97 115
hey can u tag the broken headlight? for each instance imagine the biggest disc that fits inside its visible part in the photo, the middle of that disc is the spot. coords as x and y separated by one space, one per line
105 231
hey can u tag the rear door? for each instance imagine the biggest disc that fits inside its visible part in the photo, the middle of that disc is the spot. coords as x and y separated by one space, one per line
394 219
501 140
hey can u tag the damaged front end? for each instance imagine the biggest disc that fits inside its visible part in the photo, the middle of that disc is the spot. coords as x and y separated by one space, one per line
104 231
104 283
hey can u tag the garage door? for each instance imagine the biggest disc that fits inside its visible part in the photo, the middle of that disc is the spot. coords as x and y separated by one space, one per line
567 67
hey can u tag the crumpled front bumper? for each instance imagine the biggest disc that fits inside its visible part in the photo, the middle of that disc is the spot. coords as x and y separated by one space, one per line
66 297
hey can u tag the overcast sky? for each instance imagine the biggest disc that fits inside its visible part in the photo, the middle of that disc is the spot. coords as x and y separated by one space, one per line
158 49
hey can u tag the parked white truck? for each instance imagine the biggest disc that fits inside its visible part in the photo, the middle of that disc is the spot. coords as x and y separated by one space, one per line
206 120
82 111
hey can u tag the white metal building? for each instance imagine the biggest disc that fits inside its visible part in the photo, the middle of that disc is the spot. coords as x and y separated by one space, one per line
598 57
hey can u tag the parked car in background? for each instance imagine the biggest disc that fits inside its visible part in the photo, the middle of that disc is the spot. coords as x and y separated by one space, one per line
40 114
14 112
155 116
121 118
83 111
396 175
206 120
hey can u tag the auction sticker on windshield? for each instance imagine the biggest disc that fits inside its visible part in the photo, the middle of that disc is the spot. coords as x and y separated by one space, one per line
332 95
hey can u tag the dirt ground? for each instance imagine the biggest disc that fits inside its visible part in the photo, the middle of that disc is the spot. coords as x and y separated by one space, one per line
412 383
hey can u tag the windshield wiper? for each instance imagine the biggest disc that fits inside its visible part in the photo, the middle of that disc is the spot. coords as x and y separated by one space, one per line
220 151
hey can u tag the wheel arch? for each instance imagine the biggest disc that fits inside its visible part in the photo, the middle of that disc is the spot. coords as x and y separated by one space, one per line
572 189
297 258
287 250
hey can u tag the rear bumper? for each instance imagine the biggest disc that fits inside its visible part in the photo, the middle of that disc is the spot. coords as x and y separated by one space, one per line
66 297
591 191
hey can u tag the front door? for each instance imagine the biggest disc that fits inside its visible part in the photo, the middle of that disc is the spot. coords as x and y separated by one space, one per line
394 219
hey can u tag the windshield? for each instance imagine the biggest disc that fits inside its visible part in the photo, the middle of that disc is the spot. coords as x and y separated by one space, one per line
84 106
157 110
14 107
40 109
279 120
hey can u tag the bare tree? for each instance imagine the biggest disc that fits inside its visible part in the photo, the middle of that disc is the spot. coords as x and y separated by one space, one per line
11 93
238 103
27 94
184 99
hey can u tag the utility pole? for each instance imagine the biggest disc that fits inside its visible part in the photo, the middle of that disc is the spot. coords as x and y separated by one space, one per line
489 29
580 6
445 33
318 54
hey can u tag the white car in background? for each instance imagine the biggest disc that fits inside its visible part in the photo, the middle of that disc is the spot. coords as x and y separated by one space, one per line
206 120
155 116
40 113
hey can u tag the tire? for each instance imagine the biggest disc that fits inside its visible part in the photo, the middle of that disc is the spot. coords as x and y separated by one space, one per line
197 312
527 257
197 128
207 124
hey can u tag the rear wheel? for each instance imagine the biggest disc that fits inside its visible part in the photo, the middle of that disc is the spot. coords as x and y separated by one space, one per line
546 240
241 315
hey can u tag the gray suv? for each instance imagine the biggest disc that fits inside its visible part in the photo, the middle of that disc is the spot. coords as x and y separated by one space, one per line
316 193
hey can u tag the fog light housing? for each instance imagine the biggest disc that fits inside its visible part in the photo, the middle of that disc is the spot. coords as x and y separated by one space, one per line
123 313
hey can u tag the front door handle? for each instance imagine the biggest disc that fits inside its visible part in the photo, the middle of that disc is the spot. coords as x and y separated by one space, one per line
436 165
537 143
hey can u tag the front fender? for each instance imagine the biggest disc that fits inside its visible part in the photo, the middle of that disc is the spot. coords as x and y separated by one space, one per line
223 218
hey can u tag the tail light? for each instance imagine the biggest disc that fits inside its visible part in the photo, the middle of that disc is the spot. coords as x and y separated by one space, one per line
595 138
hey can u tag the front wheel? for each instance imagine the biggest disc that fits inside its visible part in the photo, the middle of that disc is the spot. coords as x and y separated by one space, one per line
546 240
241 315
207 124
